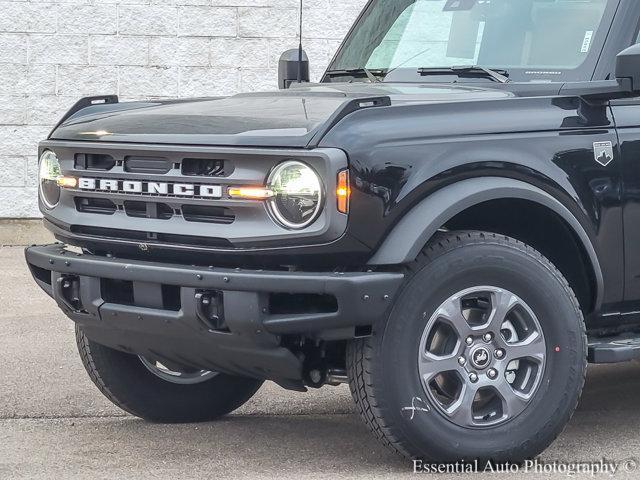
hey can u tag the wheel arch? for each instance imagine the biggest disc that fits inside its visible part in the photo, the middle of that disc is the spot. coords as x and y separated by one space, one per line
447 207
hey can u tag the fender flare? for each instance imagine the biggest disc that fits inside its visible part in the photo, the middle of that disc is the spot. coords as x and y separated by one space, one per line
415 229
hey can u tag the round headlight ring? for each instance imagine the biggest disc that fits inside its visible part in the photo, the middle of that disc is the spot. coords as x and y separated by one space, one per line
298 195
48 174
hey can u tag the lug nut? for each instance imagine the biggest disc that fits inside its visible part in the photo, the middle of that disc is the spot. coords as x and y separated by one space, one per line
462 361
492 373
473 377
487 337
469 340
499 353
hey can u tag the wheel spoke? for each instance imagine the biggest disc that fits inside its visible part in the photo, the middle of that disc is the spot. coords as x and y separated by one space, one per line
430 365
461 411
512 402
451 312
502 302
533 347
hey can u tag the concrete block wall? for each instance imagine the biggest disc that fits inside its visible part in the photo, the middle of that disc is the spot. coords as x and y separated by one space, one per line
54 51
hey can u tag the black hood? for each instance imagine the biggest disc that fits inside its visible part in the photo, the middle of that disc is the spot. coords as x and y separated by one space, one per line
288 118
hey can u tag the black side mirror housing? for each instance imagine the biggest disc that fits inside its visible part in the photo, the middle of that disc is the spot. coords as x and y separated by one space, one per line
628 69
290 67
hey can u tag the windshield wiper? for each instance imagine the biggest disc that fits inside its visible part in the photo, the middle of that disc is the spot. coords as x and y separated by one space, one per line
374 75
498 75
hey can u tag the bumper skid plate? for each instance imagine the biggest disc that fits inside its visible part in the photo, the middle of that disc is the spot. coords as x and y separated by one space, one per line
206 317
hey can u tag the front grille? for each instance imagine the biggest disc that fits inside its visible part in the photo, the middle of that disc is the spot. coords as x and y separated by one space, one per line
178 195
154 195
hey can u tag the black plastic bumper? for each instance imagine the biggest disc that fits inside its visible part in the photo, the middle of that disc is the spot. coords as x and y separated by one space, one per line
249 343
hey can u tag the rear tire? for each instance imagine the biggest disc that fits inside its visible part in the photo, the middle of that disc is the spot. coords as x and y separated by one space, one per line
415 417
130 384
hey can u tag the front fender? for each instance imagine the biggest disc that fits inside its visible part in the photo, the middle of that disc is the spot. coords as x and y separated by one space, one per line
416 227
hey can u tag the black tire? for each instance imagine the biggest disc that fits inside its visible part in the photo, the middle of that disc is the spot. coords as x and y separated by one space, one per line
383 370
124 380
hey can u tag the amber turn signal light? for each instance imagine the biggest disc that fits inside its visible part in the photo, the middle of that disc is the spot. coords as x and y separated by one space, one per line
67 182
343 191
250 193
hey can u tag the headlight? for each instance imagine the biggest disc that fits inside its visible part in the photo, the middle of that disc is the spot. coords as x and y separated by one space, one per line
48 176
297 194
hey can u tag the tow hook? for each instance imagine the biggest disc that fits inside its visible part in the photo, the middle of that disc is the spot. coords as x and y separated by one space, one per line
68 292
210 310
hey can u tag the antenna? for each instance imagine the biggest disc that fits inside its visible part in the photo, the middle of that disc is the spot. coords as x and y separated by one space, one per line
300 51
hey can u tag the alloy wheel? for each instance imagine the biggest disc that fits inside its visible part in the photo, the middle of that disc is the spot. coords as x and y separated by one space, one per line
185 376
482 356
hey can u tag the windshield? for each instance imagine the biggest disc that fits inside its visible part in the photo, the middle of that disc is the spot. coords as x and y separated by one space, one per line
534 40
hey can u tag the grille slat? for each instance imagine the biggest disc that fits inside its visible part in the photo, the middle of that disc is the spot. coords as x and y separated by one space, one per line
204 214
94 161
140 236
151 165
160 211
100 206
202 167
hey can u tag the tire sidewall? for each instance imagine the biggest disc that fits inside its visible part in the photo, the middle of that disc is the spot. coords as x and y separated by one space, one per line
123 379
545 291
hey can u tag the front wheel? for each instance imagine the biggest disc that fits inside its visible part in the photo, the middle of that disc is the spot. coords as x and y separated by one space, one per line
148 389
483 356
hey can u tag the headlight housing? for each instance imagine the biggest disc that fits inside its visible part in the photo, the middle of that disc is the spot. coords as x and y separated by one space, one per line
297 194
48 175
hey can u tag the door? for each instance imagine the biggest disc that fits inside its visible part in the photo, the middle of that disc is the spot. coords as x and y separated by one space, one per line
626 115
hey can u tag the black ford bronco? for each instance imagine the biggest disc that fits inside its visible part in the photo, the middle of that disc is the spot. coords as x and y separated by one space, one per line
449 221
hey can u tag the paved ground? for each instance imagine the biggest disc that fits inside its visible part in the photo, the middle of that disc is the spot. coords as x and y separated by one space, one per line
55 425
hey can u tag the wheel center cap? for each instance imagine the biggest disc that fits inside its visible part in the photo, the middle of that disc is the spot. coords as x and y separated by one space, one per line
480 357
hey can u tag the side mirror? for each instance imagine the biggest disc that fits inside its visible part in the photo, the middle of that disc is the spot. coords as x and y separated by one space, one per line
289 67
628 69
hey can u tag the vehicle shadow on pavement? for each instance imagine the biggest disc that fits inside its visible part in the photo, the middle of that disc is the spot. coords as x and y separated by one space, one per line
614 387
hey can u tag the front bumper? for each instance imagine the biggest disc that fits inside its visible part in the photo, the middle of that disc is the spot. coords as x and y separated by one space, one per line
156 309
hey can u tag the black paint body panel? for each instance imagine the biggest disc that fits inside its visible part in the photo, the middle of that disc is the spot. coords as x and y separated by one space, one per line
402 154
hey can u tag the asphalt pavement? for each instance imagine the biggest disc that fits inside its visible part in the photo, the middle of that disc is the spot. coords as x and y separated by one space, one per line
54 424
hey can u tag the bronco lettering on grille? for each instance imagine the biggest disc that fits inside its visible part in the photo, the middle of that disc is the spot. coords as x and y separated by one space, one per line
150 188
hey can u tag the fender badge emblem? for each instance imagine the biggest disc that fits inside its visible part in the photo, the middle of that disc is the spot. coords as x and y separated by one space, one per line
603 152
